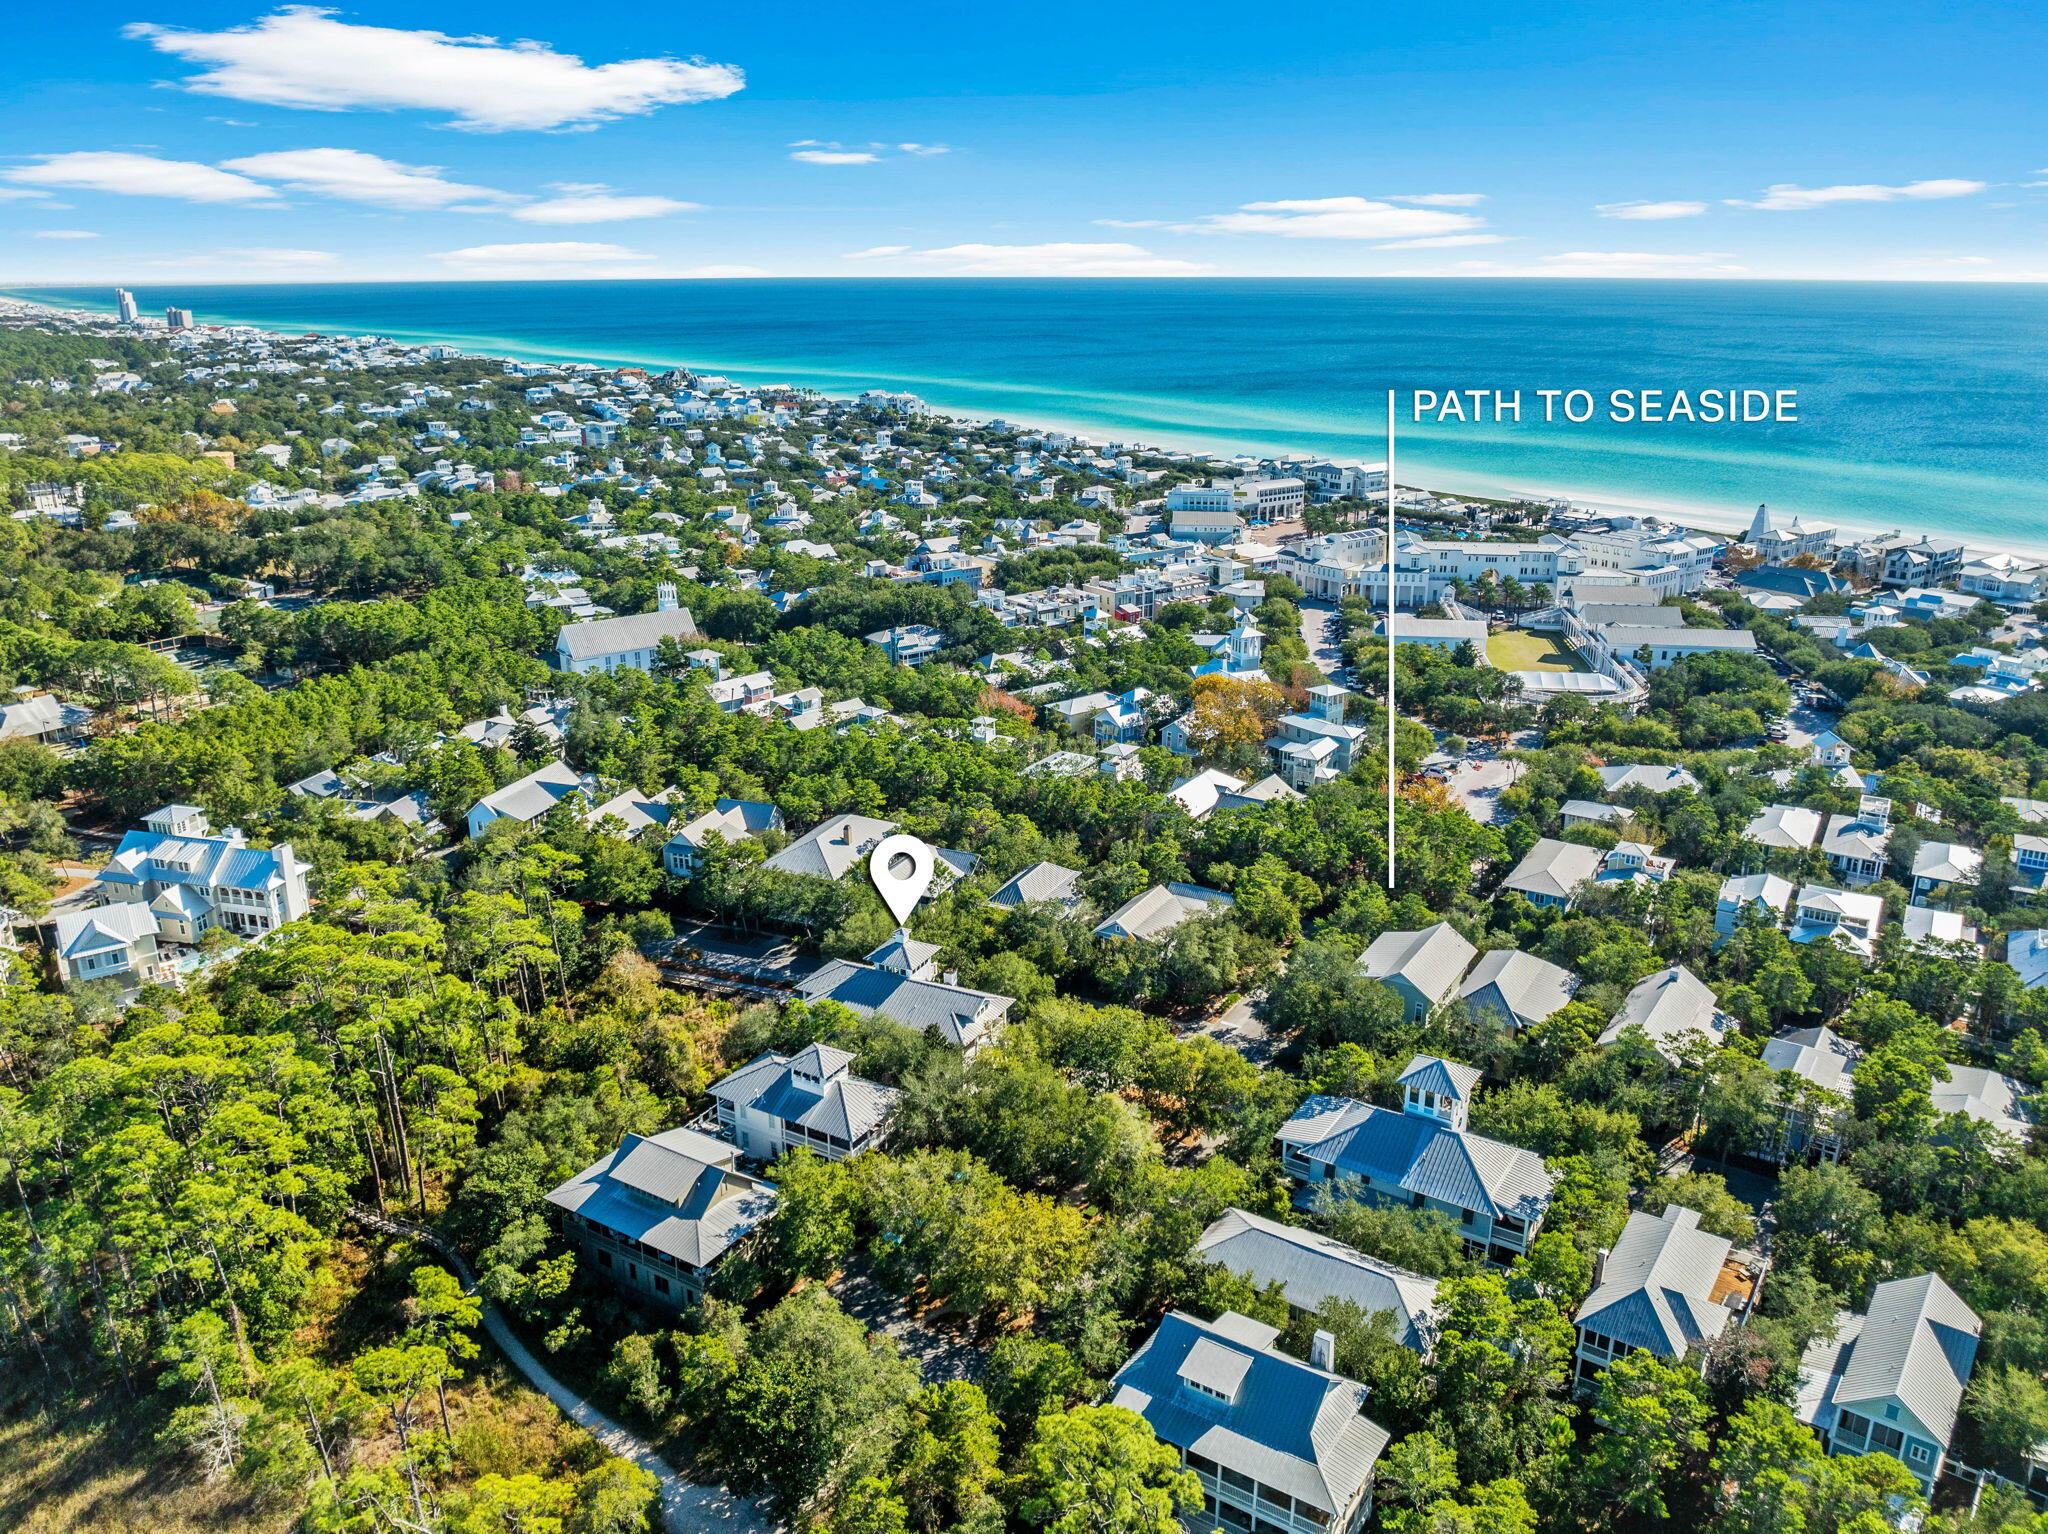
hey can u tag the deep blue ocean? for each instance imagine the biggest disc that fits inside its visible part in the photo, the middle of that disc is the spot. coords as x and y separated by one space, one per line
1921 406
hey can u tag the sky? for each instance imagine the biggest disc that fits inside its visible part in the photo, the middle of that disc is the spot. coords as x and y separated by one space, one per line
148 142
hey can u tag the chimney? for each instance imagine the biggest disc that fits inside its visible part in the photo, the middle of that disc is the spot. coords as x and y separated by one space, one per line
951 977
1600 1265
1322 1352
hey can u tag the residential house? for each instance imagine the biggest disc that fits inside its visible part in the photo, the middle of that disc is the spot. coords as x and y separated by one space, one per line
911 644
1590 812
109 942
1279 1446
1040 884
634 813
1424 1158
527 799
1818 1108
728 820
1924 924
901 982
1158 910
1518 989
1821 912
1989 1097
193 881
833 848
1674 1007
1663 1289
1313 1269
1422 968
1552 873
1765 893
1784 827
809 1100
1890 1381
1317 746
44 718
1650 779
1856 844
2027 953
659 1214
1945 863
1444 634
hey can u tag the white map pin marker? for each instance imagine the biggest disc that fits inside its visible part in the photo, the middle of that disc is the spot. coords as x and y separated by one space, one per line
901 867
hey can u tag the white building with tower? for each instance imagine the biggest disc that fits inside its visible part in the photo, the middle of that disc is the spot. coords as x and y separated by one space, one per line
624 644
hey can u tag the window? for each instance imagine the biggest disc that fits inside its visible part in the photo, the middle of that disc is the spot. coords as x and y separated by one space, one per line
1919 1453
604 1259
661 1285
1239 1480
1201 1462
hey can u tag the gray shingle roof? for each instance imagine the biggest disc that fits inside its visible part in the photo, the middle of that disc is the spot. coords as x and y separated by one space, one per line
1819 1055
1160 909
613 636
957 1014
1039 882
839 1104
1655 1289
677 1192
1292 1427
538 792
1520 986
1668 1006
830 850
1554 868
1658 780
1431 960
1916 1344
1312 1268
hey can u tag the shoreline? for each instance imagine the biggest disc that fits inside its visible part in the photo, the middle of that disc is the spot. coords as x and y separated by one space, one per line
1452 482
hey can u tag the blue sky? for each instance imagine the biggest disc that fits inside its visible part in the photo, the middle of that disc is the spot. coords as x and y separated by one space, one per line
151 142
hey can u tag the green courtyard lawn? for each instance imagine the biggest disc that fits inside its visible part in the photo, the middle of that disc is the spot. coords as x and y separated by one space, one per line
1520 650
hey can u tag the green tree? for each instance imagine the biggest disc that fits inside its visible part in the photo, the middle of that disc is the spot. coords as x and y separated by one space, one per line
1100 1470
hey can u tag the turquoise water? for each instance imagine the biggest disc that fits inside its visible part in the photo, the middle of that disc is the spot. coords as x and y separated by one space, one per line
1921 405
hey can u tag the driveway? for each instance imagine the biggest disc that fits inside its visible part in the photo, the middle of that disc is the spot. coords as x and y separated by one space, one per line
940 1353
1239 1027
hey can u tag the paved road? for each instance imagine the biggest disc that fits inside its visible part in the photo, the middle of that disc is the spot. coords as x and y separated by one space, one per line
1477 783
1803 723
1319 633
686 1507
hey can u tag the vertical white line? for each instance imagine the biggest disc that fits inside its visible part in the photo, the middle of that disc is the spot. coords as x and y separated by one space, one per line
1390 638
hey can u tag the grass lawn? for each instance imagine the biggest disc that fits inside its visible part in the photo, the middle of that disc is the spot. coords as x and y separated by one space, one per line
1520 650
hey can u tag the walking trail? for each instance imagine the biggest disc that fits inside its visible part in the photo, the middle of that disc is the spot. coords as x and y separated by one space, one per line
686 1507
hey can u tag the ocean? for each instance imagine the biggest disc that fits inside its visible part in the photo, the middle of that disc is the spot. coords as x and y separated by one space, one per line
1921 406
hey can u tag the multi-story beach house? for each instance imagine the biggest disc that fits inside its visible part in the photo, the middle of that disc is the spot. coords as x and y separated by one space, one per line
1280 1446
1423 1157
811 1099
193 881
1661 1289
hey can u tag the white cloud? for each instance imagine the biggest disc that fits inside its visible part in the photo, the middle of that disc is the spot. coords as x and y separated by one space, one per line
1333 218
66 234
1948 261
1442 199
353 176
1788 198
1442 241
812 151
721 271
301 56
1051 260
1131 223
140 175
254 255
548 258
598 205
22 194
1650 210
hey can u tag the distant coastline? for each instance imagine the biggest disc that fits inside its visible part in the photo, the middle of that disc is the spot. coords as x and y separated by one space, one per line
1498 479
